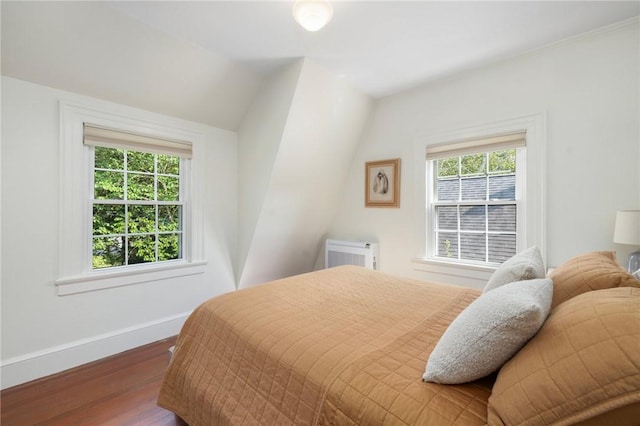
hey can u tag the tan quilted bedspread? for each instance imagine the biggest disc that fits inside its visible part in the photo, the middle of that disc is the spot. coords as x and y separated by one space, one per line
341 346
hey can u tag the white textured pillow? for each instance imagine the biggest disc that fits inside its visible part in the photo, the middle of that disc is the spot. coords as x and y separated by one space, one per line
526 265
490 331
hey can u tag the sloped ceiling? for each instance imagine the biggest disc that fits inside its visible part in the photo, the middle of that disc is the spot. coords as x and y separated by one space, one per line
89 48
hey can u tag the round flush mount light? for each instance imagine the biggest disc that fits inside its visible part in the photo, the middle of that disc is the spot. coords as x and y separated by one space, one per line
312 14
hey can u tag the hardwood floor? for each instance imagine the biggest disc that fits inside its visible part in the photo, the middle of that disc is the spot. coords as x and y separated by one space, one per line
119 390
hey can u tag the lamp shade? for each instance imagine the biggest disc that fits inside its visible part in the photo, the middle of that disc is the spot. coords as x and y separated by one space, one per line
312 14
627 229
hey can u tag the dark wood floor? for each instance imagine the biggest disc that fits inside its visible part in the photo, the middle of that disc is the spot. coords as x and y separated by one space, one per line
119 390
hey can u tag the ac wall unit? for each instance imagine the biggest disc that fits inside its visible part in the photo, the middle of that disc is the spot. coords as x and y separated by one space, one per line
351 253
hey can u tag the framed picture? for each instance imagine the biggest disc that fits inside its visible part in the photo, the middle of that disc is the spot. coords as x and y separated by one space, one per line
382 183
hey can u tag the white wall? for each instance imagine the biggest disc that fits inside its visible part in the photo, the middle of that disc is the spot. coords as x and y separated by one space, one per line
588 89
42 332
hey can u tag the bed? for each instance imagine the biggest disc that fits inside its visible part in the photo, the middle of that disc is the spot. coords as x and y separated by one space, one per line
348 346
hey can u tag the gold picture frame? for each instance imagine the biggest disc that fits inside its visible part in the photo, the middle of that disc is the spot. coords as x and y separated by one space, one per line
382 183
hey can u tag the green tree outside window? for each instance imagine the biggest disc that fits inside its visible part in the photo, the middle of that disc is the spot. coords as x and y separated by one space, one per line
137 211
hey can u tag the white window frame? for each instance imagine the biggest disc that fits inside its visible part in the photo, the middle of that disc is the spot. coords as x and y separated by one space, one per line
432 203
531 214
183 202
75 272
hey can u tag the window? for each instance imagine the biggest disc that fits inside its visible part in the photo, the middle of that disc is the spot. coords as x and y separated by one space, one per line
137 197
475 199
131 198
449 248
137 208
475 211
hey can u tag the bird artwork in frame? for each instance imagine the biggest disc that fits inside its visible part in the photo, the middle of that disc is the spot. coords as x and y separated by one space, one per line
382 183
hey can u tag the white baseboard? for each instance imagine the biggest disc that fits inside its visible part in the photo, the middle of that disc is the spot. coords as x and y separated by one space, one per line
24 368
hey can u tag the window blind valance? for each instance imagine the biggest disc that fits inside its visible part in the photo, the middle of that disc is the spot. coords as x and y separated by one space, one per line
472 146
110 138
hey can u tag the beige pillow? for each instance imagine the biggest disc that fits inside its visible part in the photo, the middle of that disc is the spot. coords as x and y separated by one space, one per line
583 365
590 271
525 265
489 331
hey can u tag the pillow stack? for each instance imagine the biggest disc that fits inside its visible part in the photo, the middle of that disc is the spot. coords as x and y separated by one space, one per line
512 308
566 347
585 359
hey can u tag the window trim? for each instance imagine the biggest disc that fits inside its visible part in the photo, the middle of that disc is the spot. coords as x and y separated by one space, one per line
75 274
535 186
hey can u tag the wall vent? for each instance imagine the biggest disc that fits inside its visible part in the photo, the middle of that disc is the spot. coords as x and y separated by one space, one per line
351 253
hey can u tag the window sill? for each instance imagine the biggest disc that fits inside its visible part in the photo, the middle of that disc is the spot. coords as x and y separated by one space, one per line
455 269
100 280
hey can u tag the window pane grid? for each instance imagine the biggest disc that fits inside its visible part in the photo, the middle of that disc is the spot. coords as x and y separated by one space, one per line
482 244
475 207
138 218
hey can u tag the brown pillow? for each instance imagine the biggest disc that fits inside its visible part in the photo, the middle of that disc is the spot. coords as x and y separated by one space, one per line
591 271
582 365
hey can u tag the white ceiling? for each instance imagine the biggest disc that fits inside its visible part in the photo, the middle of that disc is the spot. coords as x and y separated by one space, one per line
381 47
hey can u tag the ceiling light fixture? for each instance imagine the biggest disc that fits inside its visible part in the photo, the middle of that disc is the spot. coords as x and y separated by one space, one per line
312 14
